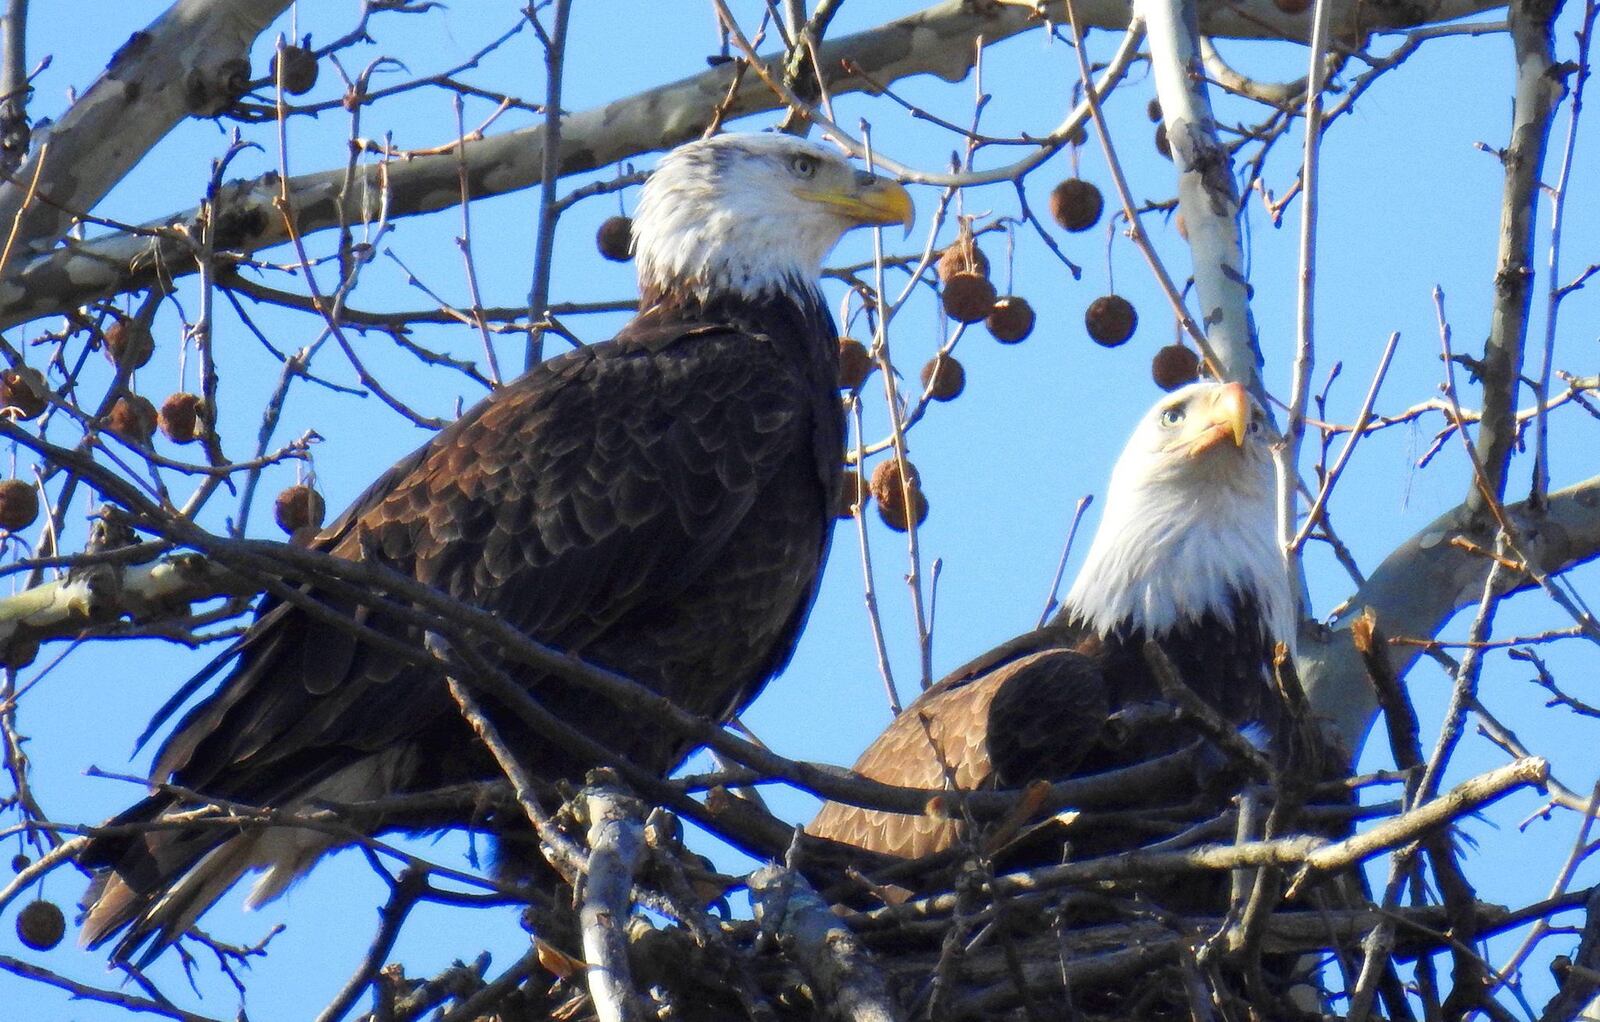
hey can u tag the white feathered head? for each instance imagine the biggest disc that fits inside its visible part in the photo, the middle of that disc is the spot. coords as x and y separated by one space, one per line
1189 520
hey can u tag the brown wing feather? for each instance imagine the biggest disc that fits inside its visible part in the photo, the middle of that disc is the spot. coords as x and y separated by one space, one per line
1005 725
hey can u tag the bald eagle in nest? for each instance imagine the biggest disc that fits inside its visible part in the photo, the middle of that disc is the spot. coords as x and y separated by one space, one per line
659 505
1187 555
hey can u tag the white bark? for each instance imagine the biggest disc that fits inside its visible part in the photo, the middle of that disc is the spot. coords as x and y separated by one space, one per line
1207 195
616 842
840 971
1419 586
104 593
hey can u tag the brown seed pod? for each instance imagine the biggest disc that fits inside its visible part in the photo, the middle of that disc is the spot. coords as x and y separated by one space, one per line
20 862
1076 204
133 419
128 343
855 363
1111 320
1079 136
853 495
19 504
1163 146
299 70
886 480
895 517
22 393
1174 366
943 378
1152 110
963 256
968 297
1011 319
614 239
299 507
183 418
890 493
41 925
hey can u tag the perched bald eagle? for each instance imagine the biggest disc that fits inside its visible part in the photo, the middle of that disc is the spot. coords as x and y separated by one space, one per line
659 505
1186 554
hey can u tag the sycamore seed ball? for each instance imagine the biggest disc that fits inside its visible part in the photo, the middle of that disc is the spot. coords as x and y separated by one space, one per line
963 256
41 925
20 862
22 393
1152 110
299 70
889 490
887 481
133 418
615 239
1011 319
1174 366
19 505
128 343
298 507
853 494
1111 320
182 418
968 297
1076 204
895 516
855 363
1163 146
943 378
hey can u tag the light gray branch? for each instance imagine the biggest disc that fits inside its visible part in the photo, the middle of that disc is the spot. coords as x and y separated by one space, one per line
14 86
616 841
1207 195
938 41
1419 586
107 592
839 969
191 60
1538 88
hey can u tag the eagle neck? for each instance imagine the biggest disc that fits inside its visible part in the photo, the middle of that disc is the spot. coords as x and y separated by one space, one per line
795 313
1166 558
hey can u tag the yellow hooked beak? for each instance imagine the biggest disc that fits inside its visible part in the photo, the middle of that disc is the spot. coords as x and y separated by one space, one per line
868 199
1226 415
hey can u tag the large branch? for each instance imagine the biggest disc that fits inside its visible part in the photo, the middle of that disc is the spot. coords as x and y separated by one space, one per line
1539 86
841 972
194 59
939 41
1424 582
1208 198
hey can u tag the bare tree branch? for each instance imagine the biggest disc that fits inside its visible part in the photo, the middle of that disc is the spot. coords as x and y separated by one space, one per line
840 970
939 41
193 60
1422 583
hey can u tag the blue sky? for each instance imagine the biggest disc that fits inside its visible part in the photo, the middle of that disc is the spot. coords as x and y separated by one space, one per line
1408 203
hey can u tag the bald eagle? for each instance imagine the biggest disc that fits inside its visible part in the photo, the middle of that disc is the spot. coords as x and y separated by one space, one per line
1186 554
659 504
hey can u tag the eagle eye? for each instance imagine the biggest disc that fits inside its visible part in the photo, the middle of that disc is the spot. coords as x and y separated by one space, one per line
803 166
1172 416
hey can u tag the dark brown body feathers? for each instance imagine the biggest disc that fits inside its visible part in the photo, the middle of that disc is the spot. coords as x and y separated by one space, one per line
659 505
